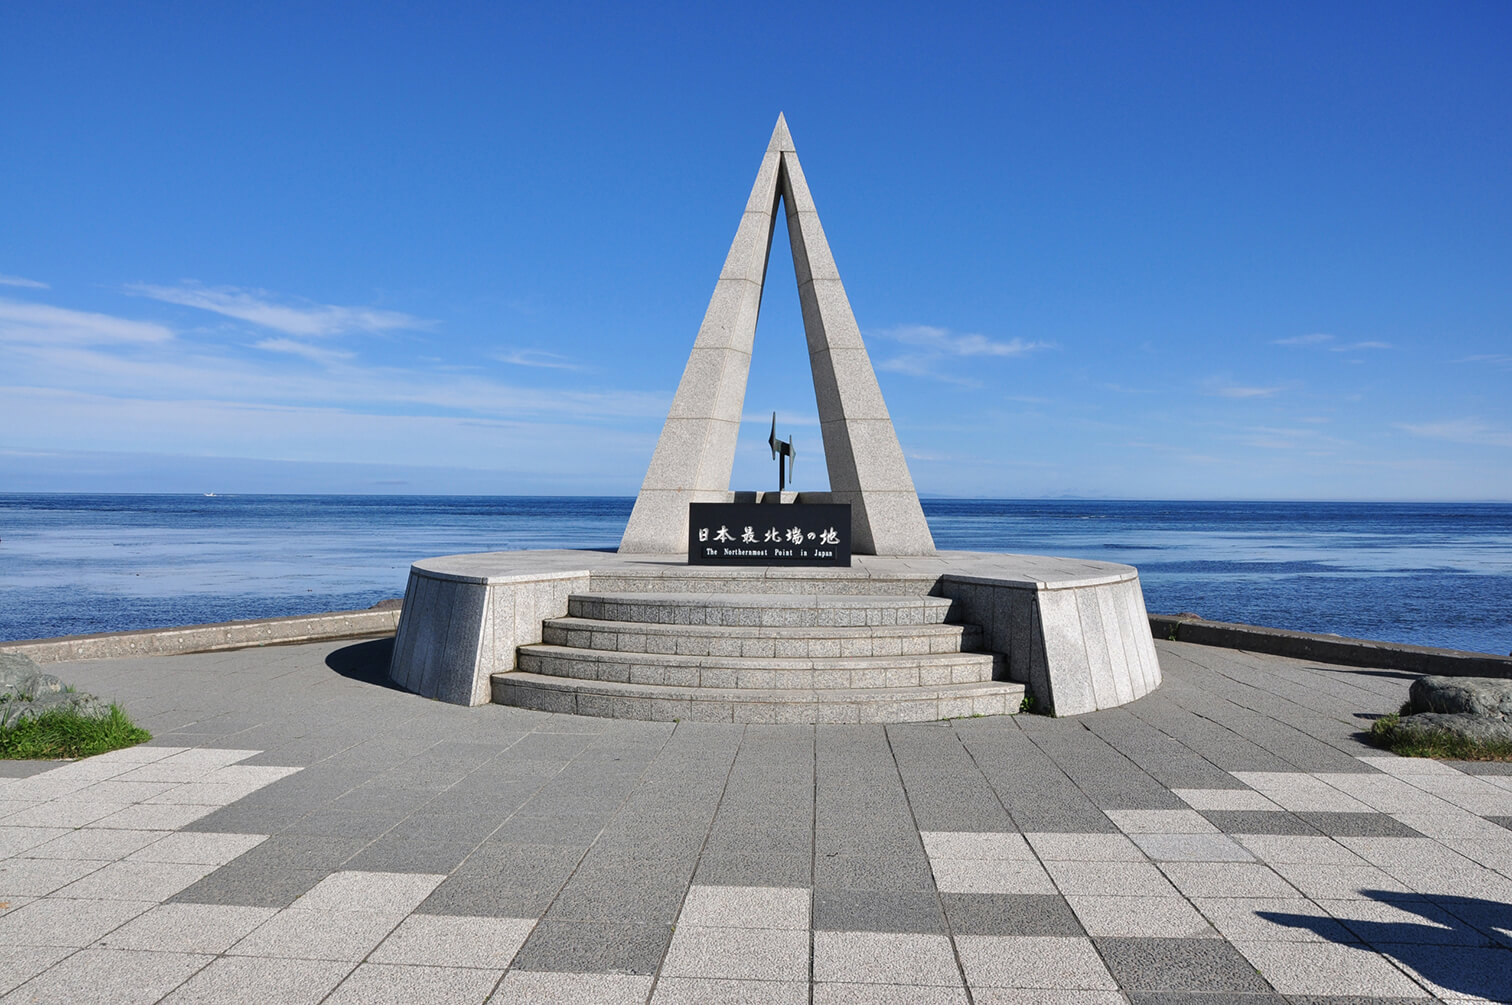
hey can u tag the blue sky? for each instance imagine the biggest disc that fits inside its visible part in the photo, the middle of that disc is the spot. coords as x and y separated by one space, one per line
1110 250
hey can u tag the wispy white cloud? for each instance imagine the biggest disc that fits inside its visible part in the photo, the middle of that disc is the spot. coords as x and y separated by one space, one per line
31 284
259 307
1323 341
1501 361
940 350
44 324
1472 431
185 370
947 343
537 358
293 347
1221 388
1284 438
926 365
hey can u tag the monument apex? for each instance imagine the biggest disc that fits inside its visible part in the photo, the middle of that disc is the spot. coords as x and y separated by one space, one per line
696 450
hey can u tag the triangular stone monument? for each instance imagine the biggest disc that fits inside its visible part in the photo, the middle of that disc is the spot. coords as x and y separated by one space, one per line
697 446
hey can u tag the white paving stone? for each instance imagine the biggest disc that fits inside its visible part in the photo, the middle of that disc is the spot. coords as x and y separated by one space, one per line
37 877
1272 919
1299 848
137 881
522 987
1225 799
248 980
1192 848
738 953
118 977
1115 879
981 846
746 907
188 928
1053 847
319 935
385 984
1033 961
57 921
885 994
1140 917
202 847
450 941
968 876
386 892
1322 968
1160 822
884 958
1303 792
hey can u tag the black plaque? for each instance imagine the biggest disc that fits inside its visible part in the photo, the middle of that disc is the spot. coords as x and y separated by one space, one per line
769 534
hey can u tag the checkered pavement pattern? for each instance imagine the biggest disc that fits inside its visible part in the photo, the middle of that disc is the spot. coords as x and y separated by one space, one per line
297 832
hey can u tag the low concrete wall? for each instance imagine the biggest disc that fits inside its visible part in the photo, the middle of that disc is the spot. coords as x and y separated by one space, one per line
1077 649
381 620
458 631
1330 648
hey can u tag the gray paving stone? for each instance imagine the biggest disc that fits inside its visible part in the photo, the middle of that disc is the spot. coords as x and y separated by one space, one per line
585 947
755 869
407 855
1205 965
867 872
1357 824
251 885
878 911
1010 914
1258 822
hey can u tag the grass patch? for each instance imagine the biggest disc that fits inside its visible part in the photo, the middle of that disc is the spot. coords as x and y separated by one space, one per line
1434 743
63 733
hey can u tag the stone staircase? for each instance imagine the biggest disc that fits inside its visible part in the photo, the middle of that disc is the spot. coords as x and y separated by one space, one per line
759 657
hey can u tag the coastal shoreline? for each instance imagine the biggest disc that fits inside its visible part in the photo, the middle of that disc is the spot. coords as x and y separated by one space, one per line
383 618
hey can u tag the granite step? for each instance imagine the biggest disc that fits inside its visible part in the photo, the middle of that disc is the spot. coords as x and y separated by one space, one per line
743 674
791 581
664 703
758 609
762 641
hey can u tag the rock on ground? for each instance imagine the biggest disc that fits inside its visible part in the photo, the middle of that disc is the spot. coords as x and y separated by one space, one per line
27 692
1486 696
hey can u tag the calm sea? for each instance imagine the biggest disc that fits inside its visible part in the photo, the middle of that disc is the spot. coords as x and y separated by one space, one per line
1430 574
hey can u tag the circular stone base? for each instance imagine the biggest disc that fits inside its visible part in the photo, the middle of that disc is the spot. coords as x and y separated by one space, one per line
648 636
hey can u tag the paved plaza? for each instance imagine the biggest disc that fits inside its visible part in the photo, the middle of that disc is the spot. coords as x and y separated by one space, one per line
299 831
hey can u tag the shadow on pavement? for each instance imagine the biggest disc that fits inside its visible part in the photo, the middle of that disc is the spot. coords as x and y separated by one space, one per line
367 662
1465 947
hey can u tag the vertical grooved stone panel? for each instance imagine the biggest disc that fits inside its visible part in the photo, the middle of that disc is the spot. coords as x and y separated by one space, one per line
1123 687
